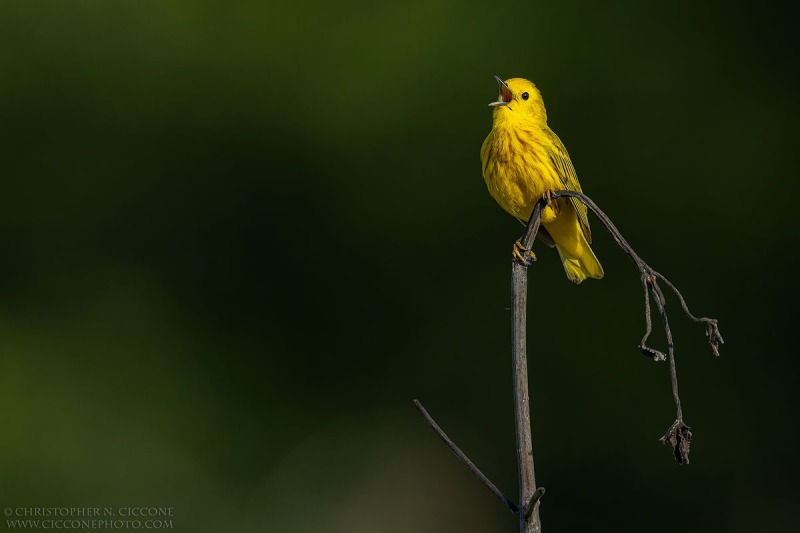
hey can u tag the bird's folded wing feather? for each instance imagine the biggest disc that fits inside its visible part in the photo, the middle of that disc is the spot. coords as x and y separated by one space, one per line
569 178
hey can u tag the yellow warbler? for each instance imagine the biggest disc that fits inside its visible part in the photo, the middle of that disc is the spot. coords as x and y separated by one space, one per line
524 160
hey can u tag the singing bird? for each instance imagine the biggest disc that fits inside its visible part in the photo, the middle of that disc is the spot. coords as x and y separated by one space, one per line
523 160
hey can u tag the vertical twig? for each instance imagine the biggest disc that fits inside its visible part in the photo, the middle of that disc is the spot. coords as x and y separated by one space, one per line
522 416
529 521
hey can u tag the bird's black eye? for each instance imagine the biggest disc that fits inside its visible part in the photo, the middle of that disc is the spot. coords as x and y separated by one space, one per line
525 96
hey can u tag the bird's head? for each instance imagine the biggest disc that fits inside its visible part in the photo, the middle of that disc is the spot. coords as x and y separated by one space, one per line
519 99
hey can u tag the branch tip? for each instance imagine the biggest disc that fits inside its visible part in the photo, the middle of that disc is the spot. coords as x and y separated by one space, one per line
535 497
714 336
652 353
679 436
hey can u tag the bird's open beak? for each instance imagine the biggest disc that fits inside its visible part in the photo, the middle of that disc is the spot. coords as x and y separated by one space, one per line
505 93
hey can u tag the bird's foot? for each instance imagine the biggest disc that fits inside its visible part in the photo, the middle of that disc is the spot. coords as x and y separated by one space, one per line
550 201
521 255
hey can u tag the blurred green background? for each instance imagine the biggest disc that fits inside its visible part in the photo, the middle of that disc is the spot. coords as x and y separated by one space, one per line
238 238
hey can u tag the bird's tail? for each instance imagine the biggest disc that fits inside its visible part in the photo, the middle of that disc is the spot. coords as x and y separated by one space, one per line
572 245
580 263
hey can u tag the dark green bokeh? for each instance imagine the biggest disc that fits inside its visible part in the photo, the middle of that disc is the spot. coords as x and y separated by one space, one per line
239 238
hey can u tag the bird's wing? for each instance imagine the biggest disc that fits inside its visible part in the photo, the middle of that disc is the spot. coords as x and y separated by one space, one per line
569 179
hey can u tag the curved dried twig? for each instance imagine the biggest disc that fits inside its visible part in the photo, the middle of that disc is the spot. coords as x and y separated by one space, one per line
678 435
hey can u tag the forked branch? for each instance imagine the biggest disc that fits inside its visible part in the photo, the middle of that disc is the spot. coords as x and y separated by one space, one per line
678 435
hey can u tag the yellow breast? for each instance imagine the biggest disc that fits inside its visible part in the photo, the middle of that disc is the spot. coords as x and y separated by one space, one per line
517 169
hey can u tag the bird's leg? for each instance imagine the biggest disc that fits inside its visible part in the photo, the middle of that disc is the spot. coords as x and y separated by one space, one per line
521 255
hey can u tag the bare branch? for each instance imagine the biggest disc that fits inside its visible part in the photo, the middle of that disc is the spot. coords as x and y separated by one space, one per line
650 352
679 435
712 331
465 460
529 521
